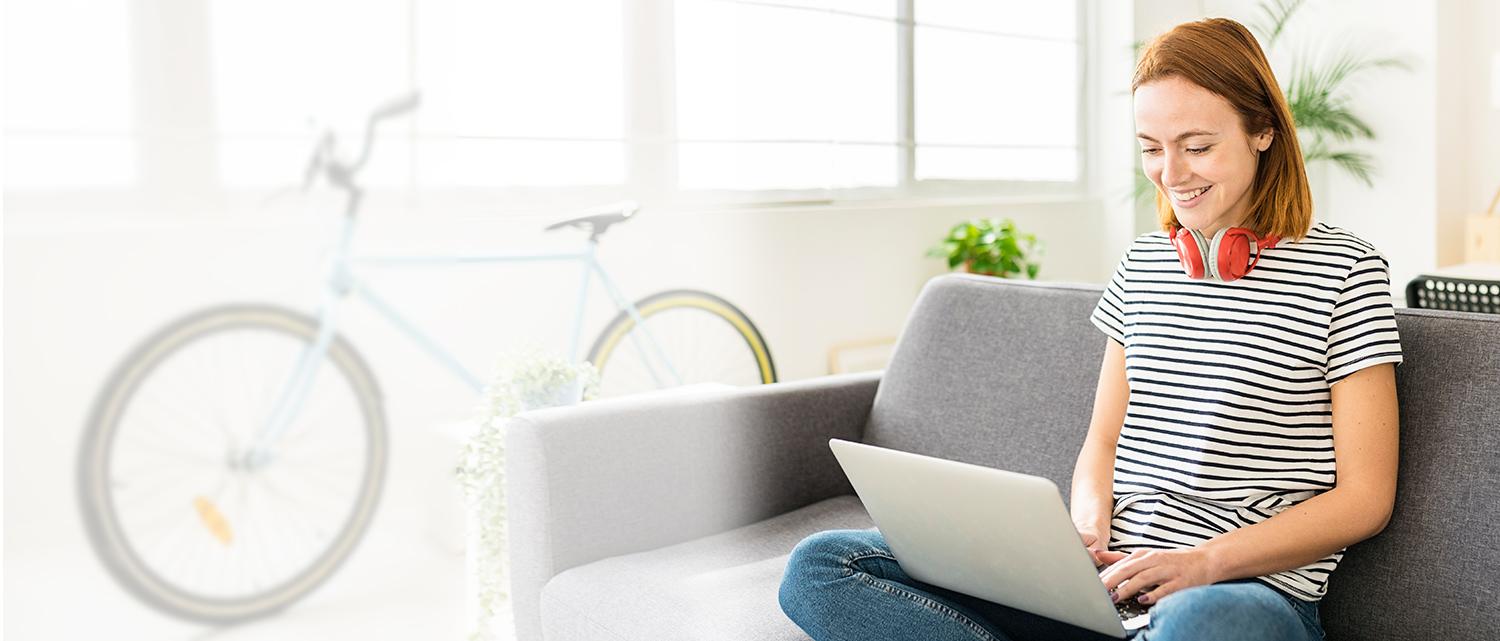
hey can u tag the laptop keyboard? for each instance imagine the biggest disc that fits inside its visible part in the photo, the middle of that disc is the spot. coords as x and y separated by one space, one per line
1130 609
1132 613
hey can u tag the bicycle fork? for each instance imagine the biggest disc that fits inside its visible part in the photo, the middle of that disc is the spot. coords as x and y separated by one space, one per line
339 283
294 391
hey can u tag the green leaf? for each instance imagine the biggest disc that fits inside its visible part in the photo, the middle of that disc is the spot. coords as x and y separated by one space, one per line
1009 247
1274 17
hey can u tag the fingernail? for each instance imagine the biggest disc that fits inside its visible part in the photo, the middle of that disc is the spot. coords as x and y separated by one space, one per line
1114 597
1144 598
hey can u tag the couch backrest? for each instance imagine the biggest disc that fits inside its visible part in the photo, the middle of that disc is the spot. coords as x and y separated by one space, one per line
1434 573
993 372
1002 373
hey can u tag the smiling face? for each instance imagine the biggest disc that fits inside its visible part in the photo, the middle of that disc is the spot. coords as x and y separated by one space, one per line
1197 152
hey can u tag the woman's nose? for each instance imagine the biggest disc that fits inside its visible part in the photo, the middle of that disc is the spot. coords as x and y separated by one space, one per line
1174 169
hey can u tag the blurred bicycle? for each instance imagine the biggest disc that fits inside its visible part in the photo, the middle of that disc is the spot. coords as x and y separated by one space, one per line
235 457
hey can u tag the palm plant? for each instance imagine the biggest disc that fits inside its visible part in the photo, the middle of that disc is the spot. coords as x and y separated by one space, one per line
1317 95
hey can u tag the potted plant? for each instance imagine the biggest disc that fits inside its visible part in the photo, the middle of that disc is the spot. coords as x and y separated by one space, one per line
522 383
992 247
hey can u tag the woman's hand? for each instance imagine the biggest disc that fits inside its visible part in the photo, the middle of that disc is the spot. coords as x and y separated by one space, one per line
1156 573
1098 546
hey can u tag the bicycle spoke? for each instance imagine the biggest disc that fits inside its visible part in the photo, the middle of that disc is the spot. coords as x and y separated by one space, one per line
185 416
300 510
138 442
309 421
700 344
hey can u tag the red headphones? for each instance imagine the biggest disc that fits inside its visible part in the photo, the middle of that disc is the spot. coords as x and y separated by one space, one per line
1224 258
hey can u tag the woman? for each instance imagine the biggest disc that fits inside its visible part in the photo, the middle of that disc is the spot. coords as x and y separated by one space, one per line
1250 354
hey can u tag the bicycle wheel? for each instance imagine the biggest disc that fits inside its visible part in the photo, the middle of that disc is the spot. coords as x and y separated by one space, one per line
172 509
701 338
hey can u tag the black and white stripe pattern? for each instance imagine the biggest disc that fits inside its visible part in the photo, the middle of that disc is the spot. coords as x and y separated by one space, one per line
1229 420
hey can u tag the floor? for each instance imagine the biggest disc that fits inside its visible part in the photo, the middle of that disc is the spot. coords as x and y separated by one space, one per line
404 581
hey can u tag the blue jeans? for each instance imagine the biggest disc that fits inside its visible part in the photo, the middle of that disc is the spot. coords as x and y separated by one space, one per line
844 585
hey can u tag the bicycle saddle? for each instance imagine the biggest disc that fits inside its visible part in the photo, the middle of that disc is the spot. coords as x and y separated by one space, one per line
597 224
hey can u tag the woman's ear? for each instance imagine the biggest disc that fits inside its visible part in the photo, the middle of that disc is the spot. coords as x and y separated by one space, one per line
1263 140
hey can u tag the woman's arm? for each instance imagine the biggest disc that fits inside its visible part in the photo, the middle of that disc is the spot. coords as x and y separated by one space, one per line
1092 502
1365 444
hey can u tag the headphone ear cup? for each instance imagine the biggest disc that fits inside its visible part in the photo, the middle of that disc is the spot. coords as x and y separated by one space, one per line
1233 253
1190 252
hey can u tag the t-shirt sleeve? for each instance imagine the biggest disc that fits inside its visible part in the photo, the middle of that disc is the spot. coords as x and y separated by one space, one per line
1109 314
1362 330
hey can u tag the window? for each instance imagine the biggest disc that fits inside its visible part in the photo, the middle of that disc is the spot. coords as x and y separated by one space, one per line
806 94
68 121
744 100
997 90
282 70
521 93
785 96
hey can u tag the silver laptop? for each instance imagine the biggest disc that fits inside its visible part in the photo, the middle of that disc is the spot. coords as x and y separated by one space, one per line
999 536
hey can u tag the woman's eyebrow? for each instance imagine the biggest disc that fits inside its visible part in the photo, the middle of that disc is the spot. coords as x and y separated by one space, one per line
1185 134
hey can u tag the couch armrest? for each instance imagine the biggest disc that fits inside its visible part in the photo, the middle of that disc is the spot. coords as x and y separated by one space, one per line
617 476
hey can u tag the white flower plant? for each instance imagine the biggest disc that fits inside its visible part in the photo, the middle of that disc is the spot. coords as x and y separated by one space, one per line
527 382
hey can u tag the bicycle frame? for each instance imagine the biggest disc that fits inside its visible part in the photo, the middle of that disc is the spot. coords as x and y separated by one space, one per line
342 279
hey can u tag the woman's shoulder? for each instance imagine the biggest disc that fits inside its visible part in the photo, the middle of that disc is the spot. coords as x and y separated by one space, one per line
1327 238
1152 240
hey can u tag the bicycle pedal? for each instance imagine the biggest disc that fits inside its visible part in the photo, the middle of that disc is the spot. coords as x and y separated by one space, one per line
214 520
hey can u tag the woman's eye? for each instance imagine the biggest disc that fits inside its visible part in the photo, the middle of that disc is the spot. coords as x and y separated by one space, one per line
1197 150
1150 152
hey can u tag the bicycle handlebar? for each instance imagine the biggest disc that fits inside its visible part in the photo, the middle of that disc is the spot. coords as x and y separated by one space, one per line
401 105
341 174
398 106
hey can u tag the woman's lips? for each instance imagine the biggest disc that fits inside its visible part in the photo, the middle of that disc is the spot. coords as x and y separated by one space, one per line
1192 202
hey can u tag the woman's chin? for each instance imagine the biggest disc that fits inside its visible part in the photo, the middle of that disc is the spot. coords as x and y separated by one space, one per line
1198 217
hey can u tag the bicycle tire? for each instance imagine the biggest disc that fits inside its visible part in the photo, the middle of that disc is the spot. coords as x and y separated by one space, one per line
117 552
695 301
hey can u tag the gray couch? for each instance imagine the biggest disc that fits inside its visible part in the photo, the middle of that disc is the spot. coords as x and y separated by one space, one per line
669 516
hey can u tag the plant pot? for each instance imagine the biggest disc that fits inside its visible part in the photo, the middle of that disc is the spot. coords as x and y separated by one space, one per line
969 268
569 393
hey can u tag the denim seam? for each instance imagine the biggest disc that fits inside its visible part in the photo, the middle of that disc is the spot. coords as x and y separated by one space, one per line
1309 623
886 586
1312 625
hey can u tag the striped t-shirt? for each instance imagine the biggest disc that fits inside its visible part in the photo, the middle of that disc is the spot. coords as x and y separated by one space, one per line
1229 420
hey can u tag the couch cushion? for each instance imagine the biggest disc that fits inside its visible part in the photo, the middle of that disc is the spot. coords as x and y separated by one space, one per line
718 587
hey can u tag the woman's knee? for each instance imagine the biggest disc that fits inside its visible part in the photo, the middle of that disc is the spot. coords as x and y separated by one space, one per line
821 548
819 560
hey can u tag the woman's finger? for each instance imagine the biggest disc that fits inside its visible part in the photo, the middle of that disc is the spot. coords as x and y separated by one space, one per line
1126 568
1111 556
1142 583
1160 592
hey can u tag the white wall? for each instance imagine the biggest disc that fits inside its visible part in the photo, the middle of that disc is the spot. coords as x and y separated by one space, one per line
1399 214
1468 117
